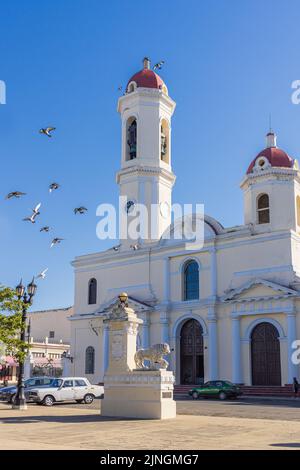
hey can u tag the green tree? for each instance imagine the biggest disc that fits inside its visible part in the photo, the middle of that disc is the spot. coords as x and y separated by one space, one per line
11 323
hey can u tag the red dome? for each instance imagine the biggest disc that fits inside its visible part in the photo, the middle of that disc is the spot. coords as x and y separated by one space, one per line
275 156
146 78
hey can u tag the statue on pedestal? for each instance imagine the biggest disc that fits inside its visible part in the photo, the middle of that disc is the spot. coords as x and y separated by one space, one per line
154 355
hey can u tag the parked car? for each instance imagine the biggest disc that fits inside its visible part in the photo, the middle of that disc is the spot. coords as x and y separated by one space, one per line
9 393
221 389
77 389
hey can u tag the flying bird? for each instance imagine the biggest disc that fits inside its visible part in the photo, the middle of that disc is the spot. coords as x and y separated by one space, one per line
55 241
80 210
30 219
53 186
35 213
36 209
47 131
159 65
46 228
16 194
42 274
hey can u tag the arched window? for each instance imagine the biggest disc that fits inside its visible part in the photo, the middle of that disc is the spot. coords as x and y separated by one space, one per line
131 139
263 209
164 141
92 291
90 360
191 281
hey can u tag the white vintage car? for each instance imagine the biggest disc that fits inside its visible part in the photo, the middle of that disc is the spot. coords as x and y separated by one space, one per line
77 389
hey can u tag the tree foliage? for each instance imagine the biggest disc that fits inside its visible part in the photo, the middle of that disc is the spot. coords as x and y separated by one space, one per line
11 324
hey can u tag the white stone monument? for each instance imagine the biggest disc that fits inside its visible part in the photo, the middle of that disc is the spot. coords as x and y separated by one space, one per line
132 390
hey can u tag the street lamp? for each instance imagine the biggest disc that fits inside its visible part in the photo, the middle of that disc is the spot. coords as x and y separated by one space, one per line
20 400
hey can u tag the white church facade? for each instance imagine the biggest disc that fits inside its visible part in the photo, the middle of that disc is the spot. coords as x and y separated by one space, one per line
229 310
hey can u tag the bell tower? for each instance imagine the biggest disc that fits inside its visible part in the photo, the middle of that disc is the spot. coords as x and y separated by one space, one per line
146 176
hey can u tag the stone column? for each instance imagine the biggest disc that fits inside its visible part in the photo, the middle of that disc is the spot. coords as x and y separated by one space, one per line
146 332
105 347
291 337
236 351
213 272
213 349
164 325
166 280
122 327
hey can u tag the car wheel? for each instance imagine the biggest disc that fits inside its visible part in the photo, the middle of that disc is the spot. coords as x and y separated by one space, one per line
88 399
222 396
79 401
48 400
195 395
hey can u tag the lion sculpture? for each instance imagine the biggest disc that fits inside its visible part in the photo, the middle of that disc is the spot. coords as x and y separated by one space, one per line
154 355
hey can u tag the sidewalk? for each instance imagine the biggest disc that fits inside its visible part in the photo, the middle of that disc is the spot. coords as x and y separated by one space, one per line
66 428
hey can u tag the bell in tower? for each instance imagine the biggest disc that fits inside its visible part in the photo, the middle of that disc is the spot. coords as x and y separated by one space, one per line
131 141
163 144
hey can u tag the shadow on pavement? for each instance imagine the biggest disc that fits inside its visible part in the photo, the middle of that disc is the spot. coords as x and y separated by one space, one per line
287 444
59 419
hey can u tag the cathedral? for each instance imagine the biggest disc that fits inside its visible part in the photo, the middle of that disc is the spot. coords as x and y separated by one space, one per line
230 309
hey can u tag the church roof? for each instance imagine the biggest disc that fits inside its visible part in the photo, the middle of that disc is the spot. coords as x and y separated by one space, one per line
276 157
146 78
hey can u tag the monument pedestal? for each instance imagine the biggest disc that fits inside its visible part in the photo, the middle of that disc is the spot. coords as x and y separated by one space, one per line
146 394
131 392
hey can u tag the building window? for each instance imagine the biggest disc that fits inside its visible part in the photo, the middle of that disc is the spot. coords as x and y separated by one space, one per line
92 291
263 209
164 141
51 334
191 281
131 139
90 360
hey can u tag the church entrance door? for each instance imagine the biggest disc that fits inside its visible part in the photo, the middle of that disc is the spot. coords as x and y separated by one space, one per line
191 353
265 355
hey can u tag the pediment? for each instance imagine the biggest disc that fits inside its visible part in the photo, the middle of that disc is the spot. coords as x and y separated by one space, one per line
259 289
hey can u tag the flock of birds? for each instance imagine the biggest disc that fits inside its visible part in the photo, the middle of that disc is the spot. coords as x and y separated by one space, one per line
36 211
53 187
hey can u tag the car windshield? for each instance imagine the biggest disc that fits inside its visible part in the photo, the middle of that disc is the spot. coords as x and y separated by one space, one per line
29 382
55 383
229 383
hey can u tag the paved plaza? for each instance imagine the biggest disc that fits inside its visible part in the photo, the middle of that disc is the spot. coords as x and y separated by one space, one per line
80 427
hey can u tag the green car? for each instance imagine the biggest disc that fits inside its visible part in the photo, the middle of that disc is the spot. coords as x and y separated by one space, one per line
221 389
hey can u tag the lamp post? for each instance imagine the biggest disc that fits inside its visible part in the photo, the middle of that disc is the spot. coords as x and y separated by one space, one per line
20 400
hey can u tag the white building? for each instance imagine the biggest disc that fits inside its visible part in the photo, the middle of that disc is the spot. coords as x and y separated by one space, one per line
229 310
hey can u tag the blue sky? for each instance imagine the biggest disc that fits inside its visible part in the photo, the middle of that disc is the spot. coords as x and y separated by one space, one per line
228 64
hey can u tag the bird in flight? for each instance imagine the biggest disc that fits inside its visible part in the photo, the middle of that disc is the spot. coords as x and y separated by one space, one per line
47 131
53 186
46 228
55 241
35 213
42 274
159 65
16 194
80 210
